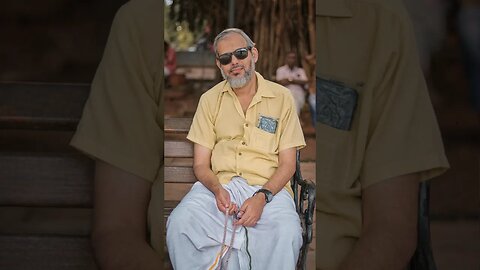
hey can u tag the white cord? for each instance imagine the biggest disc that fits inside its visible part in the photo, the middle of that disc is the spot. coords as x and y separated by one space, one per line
224 245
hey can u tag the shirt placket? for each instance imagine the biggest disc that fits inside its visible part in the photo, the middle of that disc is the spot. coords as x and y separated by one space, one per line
248 125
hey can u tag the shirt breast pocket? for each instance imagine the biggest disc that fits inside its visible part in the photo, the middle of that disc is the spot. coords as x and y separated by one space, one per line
263 140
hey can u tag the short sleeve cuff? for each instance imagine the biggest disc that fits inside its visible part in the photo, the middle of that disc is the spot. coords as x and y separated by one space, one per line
200 142
114 157
297 145
428 167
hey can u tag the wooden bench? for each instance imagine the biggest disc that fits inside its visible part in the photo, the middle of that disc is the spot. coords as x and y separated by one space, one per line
178 170
45 185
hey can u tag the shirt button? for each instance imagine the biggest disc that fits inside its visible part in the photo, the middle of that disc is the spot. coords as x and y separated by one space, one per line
246 125
240 153
243 143
240 174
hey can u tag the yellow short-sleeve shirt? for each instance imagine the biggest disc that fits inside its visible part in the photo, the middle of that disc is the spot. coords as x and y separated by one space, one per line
122 121
375 118
248 144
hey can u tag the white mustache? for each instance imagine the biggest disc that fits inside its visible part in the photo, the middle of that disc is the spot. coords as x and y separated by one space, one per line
239 66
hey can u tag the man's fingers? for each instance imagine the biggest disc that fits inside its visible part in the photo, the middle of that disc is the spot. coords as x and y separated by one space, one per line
246 220
241 221
234 209
244 207
225 203
221 207
250 222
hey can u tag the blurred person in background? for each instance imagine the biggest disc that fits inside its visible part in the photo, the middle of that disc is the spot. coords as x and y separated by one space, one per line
294 78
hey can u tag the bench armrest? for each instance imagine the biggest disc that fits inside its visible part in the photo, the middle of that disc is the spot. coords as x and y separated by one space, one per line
307 207
304 198
423 257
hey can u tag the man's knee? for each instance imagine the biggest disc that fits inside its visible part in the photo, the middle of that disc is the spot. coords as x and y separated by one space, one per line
178 219
290 231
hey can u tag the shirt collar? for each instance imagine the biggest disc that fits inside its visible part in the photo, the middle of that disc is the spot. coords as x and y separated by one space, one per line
334 8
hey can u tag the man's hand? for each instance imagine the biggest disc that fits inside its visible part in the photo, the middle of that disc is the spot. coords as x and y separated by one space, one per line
251 210
222 198
284 82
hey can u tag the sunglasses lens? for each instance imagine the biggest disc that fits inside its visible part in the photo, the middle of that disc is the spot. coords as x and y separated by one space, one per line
241 54
225 59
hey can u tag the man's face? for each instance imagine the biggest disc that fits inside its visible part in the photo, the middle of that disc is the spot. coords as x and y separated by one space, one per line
239 71
291 59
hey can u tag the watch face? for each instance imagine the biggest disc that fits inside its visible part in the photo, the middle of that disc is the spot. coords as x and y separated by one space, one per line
268 195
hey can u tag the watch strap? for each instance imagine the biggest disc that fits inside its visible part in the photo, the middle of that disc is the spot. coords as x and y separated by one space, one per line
268 194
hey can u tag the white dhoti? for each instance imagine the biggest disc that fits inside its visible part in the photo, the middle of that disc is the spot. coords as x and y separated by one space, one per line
195 232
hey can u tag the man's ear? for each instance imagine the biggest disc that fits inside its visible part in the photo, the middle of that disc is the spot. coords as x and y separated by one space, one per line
218 63
255 54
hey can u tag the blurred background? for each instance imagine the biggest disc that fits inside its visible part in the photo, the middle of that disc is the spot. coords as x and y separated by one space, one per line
63 41
53 40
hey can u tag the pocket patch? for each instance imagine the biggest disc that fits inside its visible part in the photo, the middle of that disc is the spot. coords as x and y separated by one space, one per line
336 104
267 124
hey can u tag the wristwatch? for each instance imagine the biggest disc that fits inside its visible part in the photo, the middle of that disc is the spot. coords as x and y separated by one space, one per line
268 194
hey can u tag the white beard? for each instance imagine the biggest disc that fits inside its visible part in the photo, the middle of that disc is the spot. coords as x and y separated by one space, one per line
240 82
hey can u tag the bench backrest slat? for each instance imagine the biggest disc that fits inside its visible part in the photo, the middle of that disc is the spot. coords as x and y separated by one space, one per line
45 179
40 252
179 175
40 106
177 125
175 149
178 149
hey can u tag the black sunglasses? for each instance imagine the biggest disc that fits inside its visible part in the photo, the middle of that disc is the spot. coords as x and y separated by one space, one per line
240 54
